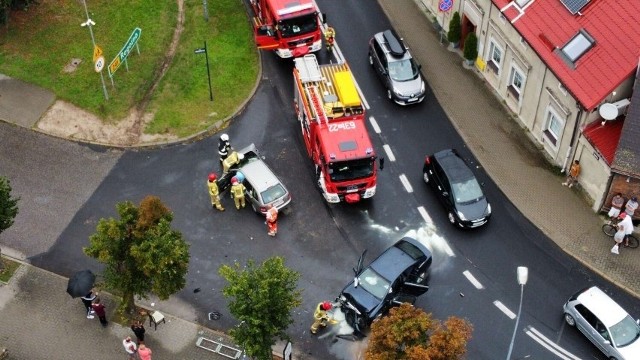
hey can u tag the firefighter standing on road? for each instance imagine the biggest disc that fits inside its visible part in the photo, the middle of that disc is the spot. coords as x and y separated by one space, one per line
329 36
272 220
214 192
321 316
224 146
237 192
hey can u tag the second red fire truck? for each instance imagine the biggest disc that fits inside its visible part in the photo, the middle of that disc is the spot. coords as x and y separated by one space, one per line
291 28
331 119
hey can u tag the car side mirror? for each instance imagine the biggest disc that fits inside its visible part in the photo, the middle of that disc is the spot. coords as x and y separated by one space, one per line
383 72
324 18
381 163
356 282
445 193
607 342
419 66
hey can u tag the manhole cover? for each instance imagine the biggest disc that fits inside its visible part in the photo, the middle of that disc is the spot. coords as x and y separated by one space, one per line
72 65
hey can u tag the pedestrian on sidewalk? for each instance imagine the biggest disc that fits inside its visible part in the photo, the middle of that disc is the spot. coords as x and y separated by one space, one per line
99 309
87 301
130 347
616 206
272 220
628 226
144 353
631 207
574 172
138 328
214 192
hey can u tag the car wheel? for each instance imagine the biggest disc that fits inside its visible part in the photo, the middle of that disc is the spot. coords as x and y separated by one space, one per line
389 95
569 319
370 60
425 176
452 219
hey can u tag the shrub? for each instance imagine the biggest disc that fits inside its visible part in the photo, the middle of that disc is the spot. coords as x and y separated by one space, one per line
455 29
471 47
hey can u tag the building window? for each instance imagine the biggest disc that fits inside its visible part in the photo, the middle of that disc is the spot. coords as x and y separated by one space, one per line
516 82
553 127
495 57
562 89
578 46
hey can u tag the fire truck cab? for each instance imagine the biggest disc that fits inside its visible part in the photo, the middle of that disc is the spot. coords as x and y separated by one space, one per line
331 119
291 28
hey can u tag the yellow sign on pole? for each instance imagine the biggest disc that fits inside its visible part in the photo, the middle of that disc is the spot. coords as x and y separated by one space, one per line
97 52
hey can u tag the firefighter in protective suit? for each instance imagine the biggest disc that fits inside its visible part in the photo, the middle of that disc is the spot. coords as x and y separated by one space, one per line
233 159
237 192
321 316
214 192
224 146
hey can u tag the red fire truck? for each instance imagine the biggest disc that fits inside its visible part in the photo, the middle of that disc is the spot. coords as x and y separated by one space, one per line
289 27
331 118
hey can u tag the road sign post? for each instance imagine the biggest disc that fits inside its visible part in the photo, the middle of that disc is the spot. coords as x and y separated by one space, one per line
206 56
124 53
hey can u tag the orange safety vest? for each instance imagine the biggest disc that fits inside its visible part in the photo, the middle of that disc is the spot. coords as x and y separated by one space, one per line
272 215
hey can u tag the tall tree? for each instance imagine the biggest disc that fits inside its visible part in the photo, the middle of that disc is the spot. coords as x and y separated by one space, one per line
142 254
262 298
410 333
8 208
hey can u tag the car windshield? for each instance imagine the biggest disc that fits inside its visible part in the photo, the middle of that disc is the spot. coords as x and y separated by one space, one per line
467 191
273 193
349 170
625 332
374 284
403 70
299 25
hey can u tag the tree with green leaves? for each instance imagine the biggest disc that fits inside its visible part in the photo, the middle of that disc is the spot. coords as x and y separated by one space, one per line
410 333
261 298
8 209
455 29
141 252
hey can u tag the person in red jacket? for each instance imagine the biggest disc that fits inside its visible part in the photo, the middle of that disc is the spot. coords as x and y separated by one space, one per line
99 308
272 220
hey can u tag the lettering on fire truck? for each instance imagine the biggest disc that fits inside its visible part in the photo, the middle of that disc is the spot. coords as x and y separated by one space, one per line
349 125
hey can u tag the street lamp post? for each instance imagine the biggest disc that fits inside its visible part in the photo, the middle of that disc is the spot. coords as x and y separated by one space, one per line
90 23
523 274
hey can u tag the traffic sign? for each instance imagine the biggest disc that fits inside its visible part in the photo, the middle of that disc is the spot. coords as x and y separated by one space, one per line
99 64
97 52
200 51
126 49
445 5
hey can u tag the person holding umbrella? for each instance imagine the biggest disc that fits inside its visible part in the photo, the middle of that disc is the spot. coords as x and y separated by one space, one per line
81 285
87 301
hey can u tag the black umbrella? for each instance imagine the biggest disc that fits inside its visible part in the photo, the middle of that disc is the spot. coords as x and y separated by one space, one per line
81 283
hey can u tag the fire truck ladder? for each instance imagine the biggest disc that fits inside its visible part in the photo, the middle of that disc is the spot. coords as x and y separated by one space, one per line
310 75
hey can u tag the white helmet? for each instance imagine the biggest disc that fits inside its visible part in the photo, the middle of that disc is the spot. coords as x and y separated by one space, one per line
224 137
240 156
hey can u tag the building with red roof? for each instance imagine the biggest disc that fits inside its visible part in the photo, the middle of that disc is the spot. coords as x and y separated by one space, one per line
555 63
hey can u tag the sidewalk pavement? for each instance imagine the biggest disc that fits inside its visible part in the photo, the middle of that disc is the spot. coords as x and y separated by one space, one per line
33 305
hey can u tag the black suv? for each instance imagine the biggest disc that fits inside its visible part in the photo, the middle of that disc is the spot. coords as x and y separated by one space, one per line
457 188
399 73
400 274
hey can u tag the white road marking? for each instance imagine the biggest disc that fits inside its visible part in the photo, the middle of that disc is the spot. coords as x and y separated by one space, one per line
504 309
405 183
473 280
424 214
550 345
374 124
390 155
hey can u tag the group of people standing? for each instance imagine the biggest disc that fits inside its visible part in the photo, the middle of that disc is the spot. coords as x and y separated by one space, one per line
135 350
229 158
624 219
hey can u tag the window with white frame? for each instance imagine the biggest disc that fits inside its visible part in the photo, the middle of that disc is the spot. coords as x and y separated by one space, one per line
516 82
554 126
495 56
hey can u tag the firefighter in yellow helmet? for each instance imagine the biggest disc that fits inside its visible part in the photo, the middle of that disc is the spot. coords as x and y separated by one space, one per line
237 192
321 316
214 192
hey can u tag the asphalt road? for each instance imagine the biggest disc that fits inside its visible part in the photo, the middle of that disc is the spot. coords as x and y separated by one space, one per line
69 187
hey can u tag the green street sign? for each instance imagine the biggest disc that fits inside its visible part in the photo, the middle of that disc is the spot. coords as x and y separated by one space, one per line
126 49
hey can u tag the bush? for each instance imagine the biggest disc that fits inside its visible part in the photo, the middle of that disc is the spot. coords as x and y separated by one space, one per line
455 29
471 47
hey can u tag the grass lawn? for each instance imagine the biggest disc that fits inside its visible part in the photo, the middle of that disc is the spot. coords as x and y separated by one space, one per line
41 41
10 267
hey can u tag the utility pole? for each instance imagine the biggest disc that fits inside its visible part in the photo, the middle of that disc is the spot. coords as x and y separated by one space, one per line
90 23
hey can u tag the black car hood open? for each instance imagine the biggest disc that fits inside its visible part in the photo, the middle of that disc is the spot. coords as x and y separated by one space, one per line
365 303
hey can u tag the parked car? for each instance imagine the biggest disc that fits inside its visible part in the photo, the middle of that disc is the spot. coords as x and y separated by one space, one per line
395 66
262 186
399 274
604 323
457 189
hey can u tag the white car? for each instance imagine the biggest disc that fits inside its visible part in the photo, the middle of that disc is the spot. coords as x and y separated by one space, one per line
605 323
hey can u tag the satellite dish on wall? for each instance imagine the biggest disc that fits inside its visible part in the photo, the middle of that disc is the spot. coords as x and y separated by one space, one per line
611 111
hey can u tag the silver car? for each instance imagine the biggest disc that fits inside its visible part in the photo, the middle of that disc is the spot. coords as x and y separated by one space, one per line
396 68
263 187
605 323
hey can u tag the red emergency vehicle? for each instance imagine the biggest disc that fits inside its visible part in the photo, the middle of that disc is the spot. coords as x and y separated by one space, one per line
289 27
331 118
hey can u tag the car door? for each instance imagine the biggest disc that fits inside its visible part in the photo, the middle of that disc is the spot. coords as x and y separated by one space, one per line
415 280
590 326
442 185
